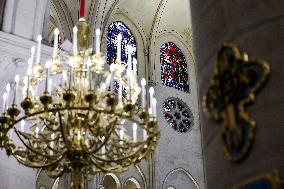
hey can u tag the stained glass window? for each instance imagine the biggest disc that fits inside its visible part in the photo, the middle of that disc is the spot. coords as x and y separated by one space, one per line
174 72
178 115
127 39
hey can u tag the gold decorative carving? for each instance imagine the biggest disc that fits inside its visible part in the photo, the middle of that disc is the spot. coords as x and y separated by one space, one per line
234 85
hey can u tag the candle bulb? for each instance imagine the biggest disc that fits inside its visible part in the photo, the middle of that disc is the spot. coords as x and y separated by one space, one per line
89 65
39 38
75 31
98 41
134 132
154 107
4 101
8 88
47 66
49 85
23 126
17 79
112 69
118 45
143 91
55 47
151 92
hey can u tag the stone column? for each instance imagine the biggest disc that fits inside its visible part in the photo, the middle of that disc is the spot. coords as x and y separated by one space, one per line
2 7
257 27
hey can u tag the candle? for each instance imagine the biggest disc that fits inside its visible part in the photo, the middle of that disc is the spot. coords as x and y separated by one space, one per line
47 66
55 47
4 101
151 92
145 135
154 107
120 92
143 90
23 126
89 65
129 80
36 132
32 54
134 132
112 69
135 69
75 31
29 73
71 64
52 143
103 147
49 85
98 41
64 78
118 45
39 38
121 135
129 56
150 111
108 82
17 79
8 88
82 9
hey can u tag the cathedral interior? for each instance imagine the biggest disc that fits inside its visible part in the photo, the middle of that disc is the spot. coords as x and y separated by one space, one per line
216 67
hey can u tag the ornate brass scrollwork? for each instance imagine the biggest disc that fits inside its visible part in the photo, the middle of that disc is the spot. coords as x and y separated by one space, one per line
234 84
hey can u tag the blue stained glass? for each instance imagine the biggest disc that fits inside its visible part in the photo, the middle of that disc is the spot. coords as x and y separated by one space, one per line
127 39
174 72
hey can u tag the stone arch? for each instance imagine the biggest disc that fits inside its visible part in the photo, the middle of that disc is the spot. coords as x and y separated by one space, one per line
111 181
132 183
177 173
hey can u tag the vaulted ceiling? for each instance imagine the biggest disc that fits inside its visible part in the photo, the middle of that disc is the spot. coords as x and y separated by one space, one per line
151 16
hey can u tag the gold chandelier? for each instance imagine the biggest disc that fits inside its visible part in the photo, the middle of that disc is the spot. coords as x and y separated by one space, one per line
83 125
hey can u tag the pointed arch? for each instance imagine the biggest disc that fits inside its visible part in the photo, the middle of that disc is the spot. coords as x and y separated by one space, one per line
127 39
174 69
132 183
111 181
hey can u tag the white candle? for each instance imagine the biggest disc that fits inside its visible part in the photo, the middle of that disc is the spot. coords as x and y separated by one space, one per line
8 88
145 136
151 92
64 78
23 126
103 147
55 47
112 69
121 135
36 132
143 84
154 107
118 45
89 65
32 54
120 91
129 79
150 111
39 38
52 143
49 85
98 41
134 132
135 69
4 101
75 31
29 73
47 66
17 79
71 64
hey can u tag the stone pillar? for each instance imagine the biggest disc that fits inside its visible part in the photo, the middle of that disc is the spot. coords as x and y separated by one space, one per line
257 27
2 7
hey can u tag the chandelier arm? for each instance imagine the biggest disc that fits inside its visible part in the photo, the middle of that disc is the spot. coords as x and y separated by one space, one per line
37 165
26 145
107 137
63 133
